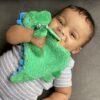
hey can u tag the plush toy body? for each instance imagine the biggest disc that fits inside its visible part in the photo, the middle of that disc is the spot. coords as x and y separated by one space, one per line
40 63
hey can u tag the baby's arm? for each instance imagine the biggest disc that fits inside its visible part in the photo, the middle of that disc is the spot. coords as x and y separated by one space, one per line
63 85
17 34
62 93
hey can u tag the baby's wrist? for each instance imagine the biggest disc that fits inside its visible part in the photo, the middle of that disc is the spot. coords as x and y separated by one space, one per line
63 95
58 96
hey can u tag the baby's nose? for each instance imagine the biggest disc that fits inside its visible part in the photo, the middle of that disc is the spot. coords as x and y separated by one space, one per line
62 33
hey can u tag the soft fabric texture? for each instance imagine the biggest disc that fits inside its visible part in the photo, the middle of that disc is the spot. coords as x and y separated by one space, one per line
41 63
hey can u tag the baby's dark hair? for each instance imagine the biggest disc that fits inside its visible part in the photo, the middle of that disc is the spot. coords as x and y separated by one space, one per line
88 16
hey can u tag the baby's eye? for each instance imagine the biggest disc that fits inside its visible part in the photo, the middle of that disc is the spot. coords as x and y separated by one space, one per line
60 20
72 35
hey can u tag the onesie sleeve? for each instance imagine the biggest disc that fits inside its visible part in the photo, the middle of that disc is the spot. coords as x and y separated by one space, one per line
65 80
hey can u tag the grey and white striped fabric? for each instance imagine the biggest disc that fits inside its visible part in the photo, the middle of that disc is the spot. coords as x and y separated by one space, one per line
28 90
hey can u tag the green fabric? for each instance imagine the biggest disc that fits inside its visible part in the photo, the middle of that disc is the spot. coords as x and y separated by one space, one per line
44 63
34 18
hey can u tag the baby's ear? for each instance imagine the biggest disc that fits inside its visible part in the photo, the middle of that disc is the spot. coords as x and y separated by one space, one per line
77 50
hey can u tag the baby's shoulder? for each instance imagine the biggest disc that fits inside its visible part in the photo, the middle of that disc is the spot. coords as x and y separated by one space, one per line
71 64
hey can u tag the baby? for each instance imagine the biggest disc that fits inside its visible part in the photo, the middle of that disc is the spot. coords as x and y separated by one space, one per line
74 26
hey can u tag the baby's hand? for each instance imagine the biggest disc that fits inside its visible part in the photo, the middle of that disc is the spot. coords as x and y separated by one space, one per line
38 41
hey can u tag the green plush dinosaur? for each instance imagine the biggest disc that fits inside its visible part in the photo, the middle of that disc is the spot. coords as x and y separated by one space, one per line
41 63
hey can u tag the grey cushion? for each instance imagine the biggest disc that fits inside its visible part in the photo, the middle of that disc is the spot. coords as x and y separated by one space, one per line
86 72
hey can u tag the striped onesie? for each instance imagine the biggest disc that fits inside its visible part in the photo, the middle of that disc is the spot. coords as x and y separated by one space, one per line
28 90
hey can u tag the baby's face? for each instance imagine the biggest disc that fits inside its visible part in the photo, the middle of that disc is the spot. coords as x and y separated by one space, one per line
72 28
